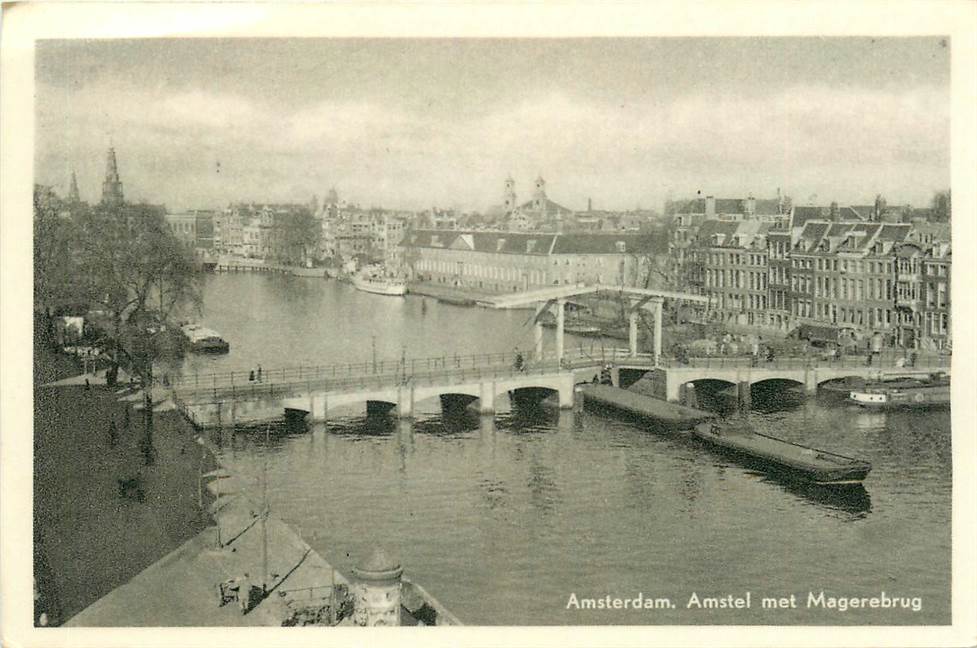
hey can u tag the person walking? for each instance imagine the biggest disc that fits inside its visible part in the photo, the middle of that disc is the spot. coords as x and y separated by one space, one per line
251 376
259 373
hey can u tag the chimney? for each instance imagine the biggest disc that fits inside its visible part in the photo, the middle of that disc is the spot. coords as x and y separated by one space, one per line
590 206
710 207
750 205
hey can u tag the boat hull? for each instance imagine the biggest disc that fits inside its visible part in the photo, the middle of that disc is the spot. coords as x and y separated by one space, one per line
788 459
902 398
456 301
210 347
389 289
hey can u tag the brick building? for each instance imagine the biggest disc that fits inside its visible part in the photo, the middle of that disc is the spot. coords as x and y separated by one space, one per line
513 261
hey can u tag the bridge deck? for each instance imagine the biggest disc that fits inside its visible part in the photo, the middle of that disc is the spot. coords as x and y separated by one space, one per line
444 370
454 369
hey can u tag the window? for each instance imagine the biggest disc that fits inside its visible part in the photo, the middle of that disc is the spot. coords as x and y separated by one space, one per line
620 245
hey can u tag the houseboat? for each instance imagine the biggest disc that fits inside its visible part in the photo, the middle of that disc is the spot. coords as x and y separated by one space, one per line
923 392
204 340
777 456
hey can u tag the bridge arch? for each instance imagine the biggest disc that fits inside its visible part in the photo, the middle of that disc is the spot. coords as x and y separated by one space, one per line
531 396
776 383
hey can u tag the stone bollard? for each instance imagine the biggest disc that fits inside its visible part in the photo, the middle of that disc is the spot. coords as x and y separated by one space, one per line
376 591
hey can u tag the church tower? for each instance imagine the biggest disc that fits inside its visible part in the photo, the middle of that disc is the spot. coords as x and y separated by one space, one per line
112 185
73 195
509 202
539 194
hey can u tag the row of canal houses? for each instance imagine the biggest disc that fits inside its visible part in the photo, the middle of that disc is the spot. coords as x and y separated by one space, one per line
843 270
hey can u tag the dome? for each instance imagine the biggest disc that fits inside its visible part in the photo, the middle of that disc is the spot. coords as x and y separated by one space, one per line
379 567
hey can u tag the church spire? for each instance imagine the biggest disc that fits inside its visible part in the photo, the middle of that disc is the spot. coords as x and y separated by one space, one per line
112 185
73 195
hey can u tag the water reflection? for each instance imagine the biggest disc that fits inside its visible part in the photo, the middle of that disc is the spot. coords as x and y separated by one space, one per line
500 516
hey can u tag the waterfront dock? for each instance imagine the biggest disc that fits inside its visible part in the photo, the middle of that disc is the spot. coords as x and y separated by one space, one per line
181 589
663 413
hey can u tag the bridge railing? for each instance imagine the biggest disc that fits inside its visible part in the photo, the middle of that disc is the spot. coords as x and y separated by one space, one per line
385 380
408 366
934 362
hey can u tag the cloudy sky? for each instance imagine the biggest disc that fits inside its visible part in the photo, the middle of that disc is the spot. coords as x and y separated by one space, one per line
416 123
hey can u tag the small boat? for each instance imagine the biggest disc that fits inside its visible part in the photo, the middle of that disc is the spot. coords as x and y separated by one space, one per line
929 391
379 285
778 456
204 340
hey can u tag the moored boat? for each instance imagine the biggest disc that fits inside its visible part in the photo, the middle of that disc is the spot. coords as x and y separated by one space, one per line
456 301
779 456
379 285
929 391
204 340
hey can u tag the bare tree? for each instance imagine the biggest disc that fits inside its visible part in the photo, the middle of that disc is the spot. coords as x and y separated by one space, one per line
133 269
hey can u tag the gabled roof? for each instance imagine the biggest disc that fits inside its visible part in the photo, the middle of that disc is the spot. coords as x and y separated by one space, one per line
804 213
895 232
838 230
860 237
811 235
712 227
850 214
731 233
535 243
607 244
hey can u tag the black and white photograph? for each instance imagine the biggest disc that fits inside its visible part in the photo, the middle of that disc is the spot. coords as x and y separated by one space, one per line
346 329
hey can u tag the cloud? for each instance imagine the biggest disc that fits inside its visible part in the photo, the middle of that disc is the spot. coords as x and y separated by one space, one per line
842 143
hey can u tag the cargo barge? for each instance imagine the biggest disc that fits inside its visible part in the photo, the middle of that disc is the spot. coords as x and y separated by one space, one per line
783 457
670 416
930 391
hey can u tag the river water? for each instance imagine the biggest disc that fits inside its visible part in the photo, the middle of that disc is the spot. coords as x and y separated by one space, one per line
507 519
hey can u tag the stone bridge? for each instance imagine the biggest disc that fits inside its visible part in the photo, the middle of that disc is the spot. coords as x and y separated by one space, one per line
217 400
669 381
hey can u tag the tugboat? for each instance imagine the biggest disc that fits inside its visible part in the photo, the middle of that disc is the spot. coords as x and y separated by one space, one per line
775 455
929 391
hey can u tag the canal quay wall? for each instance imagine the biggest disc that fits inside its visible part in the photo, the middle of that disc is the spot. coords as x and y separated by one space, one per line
182 589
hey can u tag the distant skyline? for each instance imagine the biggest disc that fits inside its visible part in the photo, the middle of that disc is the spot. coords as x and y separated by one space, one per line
415 123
